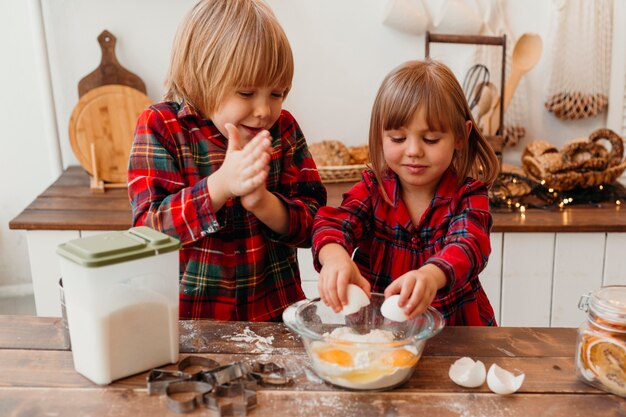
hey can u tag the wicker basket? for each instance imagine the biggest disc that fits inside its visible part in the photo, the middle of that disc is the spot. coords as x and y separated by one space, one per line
341 173
542 162
572 179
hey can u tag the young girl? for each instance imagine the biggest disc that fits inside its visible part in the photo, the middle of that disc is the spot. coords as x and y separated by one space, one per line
223 168
419 220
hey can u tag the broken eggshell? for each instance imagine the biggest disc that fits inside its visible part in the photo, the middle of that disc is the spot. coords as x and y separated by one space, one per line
467 373
502 381
357 299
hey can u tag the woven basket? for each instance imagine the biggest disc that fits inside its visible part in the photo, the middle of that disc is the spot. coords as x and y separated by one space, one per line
542 162
569 180
341 173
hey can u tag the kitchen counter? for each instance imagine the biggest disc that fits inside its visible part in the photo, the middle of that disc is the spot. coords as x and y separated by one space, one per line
69 204
38 377
540 262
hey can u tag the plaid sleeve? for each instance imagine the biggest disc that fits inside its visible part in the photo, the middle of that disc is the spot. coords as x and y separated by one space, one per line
159 196
466 246
345 225
299 185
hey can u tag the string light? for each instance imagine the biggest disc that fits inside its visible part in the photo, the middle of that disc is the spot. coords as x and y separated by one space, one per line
514 192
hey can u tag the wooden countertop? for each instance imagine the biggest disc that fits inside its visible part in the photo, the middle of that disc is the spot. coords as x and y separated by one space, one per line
38 377
69 204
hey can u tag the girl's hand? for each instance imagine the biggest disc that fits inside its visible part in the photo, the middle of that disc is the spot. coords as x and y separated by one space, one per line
245 169
417 289
338 270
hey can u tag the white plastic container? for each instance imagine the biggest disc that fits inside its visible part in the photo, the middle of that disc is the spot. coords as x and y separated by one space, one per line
121 297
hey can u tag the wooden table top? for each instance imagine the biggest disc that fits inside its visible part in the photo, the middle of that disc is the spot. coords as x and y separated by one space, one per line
38 378
69 204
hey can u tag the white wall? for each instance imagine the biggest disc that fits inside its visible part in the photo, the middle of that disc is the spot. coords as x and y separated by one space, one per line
341 48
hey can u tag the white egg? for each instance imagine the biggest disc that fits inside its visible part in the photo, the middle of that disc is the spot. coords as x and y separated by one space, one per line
357 299
391 310
502 381
467 373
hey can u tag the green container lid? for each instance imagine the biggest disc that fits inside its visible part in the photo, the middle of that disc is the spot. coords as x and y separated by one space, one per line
116 247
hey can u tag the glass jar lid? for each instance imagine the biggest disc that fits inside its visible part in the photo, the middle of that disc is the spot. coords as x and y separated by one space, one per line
608 304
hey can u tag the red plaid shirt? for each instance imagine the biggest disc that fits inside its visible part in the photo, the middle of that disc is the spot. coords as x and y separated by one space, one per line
232 266
453 234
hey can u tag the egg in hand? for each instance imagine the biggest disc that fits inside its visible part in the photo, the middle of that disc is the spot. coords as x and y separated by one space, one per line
357 299
391 310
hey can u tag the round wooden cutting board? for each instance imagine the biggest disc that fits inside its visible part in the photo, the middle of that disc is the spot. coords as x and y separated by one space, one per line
106 117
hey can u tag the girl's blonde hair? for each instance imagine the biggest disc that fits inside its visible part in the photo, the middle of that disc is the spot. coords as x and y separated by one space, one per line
226 44
430 85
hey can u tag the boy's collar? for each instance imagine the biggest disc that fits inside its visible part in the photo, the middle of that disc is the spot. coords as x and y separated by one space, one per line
187 109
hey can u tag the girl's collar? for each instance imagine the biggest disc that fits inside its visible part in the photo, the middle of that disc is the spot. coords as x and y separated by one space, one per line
445 189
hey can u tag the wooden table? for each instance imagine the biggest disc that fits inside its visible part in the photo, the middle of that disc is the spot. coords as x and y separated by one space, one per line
38 378
69 204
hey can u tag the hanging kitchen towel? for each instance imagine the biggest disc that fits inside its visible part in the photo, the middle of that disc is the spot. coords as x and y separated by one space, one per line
495 24
581 58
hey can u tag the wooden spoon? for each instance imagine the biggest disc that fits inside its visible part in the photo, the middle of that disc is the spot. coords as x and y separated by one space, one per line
526 54
488 91
489 125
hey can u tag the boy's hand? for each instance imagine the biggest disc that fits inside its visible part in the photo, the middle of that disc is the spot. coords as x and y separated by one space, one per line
254 199
245 169
338 270
417 289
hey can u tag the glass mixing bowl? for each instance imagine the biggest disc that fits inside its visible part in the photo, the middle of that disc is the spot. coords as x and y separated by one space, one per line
364 350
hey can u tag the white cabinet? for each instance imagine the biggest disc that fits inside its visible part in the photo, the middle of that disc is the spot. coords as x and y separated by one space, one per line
578 264
531 279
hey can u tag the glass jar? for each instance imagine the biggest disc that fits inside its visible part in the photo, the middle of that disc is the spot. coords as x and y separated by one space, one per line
601 344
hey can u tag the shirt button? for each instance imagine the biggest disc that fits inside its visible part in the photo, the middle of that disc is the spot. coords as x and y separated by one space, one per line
414 240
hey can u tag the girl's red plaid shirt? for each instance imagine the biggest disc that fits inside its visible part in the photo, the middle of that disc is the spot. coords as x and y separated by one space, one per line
453 234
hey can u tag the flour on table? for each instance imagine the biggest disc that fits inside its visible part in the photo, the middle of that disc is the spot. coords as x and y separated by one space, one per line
262 344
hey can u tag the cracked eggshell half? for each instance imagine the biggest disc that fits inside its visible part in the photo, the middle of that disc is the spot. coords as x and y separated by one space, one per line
390 309
467 373
357 299
502 381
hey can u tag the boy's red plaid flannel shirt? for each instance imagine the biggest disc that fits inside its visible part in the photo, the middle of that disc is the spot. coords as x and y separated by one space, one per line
232 266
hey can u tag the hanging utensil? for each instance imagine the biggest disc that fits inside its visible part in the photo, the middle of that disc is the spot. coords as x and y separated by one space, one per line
475 77
526 54
486 100
491 119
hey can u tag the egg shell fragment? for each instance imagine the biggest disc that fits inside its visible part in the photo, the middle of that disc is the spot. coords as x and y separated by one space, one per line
357 299
502 381
391 310
467 373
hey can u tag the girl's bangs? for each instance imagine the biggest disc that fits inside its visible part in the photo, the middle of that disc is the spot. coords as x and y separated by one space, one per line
400 106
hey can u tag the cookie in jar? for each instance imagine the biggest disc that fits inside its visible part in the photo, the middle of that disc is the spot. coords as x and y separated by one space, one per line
601 343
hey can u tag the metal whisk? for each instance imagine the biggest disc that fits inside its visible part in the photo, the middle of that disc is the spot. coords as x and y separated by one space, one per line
477 76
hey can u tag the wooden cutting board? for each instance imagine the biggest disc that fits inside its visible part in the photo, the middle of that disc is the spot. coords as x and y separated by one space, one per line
102 124
109 71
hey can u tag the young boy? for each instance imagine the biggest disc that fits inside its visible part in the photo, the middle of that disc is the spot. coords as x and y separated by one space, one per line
223 168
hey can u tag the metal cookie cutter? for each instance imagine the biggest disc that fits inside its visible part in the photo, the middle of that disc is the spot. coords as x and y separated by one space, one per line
199 361
227 373
269 374
230 400
158 380
197 388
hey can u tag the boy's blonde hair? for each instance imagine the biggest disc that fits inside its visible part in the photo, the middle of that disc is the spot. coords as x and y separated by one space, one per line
226 44
430 85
